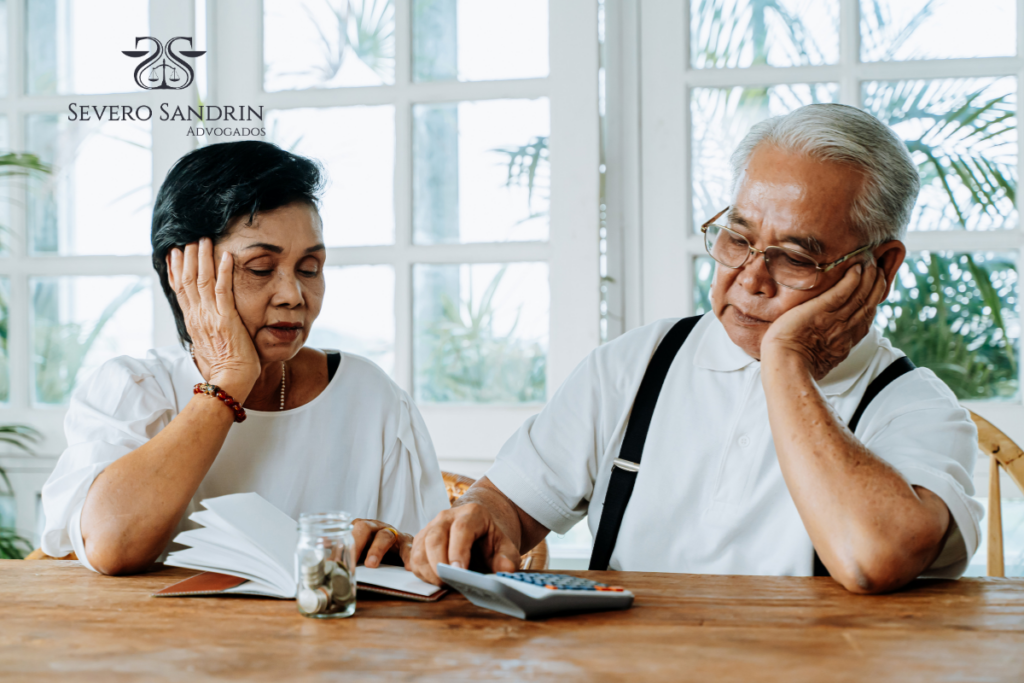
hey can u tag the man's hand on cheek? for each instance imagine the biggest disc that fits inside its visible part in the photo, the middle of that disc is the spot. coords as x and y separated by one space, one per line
821 331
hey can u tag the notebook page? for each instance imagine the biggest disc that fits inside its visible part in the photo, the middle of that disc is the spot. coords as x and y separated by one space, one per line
212 561
236 554
395 578
260 523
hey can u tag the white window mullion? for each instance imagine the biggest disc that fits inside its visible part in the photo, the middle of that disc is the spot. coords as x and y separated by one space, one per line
963 240
665 144
574 268
1020 213
883 71
19 342
15 50
401 252
685 226
236 70
849 52
622 155
168 18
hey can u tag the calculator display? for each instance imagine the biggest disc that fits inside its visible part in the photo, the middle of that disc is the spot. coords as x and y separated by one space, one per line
559 582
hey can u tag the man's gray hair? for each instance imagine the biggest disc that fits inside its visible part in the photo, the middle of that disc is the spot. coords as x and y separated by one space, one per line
836 132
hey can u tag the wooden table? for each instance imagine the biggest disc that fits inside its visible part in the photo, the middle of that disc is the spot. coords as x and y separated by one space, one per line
59 621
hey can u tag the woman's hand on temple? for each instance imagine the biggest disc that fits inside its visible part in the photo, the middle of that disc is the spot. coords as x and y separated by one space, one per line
375 539
219 338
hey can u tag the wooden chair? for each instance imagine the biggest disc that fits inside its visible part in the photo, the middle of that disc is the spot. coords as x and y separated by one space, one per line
1004 453
38 554
536 559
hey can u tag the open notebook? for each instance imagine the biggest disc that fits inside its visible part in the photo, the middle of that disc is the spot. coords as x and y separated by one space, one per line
247 546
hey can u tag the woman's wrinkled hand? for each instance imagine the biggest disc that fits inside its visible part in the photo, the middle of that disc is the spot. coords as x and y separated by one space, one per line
222 345
376 539
822 331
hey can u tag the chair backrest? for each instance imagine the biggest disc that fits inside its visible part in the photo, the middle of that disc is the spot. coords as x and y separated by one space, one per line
457 484
38 554
1003 454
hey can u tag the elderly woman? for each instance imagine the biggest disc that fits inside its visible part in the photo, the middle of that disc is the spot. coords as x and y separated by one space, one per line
238 246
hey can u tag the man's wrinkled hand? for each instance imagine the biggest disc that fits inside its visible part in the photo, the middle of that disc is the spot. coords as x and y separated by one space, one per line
451 537
822 331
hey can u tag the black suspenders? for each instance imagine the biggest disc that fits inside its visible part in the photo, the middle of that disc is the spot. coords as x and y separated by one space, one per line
626 466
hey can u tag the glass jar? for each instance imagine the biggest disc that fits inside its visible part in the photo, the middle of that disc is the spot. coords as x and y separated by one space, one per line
325 566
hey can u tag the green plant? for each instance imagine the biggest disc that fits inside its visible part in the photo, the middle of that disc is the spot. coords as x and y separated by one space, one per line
367 27
524 164
64 347
721 36
941 315
468 361
12 545
14 164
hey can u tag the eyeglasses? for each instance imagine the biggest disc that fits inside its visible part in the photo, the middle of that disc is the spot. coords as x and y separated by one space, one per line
787 267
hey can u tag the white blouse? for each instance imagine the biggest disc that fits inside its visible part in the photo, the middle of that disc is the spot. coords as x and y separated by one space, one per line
360 446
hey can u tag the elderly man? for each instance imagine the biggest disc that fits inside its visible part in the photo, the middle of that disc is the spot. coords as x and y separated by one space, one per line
779 430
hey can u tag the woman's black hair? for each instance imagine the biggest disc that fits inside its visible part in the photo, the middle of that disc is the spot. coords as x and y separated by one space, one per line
206 188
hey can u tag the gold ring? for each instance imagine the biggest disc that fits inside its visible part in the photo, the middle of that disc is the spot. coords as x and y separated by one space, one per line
393 530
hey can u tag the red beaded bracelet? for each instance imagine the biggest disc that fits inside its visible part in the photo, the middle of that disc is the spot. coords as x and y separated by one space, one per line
217 392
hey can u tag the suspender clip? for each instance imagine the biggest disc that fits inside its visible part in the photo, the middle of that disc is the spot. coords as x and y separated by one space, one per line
627 465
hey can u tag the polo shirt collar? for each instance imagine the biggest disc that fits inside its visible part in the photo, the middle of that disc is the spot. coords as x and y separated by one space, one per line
847 373
717 352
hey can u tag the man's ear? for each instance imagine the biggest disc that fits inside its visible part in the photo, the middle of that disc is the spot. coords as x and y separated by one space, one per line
889 257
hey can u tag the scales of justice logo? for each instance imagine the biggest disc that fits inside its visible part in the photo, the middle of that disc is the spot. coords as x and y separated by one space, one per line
163 76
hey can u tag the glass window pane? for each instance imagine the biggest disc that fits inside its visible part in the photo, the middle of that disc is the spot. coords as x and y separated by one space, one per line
78 210
71 48
481 171
936 29
1012 513
962 133
328 43
356 145
957 314
201 41
358 315
479 40
79 323
721 118
5 377
703 274
480 332
741 33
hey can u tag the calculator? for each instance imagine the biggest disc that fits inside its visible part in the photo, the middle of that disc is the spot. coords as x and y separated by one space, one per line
532 595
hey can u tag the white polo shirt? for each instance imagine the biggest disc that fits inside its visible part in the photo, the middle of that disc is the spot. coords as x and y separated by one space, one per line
710 497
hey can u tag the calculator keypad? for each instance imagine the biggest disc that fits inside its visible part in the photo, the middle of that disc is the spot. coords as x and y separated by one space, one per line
559 582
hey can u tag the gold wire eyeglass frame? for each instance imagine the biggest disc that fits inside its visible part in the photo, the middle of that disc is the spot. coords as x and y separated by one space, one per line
751 250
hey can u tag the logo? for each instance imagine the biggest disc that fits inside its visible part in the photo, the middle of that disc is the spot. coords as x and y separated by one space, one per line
163 76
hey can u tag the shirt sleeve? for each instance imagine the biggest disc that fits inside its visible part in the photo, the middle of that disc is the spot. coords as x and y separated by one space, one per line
550 465
118 409
931 441
412 490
